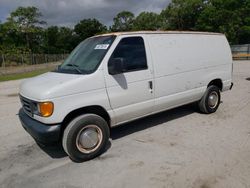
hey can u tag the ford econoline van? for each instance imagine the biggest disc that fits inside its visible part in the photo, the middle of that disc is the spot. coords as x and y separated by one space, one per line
115 78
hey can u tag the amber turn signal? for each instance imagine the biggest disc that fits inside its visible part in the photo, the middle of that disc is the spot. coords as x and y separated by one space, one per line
46 108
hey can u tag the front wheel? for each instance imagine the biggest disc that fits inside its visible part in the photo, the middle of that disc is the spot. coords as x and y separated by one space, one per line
85 137
210 101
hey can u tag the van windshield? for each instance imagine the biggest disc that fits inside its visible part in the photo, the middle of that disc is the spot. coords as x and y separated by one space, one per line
87 56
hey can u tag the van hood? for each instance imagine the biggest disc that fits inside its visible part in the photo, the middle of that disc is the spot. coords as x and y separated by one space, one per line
51 85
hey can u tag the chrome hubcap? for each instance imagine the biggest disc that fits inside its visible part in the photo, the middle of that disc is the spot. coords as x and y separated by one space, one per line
213 99
89 138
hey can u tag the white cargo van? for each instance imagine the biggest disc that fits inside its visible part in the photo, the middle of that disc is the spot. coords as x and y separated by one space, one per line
119 77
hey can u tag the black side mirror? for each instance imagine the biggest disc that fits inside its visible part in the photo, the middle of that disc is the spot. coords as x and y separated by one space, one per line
116 66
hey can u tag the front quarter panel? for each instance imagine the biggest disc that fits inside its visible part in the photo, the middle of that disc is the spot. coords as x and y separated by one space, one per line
66 103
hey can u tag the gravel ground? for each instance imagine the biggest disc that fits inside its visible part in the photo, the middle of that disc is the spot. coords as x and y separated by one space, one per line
177 148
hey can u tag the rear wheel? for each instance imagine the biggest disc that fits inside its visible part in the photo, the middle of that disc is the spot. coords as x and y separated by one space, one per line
85 137
210 101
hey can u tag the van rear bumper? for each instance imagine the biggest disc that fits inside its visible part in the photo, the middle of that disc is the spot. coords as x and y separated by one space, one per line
231 85
40 132
227 85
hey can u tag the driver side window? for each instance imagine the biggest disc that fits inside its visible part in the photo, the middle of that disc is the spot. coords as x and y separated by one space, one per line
132 51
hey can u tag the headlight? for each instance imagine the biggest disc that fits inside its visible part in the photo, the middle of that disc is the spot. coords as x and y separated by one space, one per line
45 109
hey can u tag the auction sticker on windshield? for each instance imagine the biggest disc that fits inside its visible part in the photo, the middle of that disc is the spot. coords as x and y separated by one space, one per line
101 46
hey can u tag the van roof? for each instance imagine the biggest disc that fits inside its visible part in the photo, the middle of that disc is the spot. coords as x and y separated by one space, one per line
159 32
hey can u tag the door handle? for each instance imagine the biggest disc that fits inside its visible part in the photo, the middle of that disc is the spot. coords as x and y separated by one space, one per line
150 85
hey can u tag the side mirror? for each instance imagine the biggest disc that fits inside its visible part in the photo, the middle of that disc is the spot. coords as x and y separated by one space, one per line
116 66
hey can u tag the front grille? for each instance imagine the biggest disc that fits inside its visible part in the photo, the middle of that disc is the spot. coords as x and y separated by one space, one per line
28 105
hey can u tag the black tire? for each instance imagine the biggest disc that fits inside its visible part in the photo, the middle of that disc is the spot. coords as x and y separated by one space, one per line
203 104
71 134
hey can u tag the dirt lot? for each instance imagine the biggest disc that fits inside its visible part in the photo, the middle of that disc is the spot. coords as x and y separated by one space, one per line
177 148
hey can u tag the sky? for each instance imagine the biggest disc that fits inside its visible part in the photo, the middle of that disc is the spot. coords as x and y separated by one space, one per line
70 12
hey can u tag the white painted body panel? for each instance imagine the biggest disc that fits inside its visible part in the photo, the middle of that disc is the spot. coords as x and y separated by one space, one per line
129 93
180 65
185 64
67 91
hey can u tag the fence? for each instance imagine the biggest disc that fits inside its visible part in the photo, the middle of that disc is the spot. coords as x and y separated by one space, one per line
241 51
7 60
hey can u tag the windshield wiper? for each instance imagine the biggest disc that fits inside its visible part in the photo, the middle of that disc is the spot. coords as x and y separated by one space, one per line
76 67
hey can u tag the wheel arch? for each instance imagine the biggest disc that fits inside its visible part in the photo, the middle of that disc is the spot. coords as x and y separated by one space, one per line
217 82
94 109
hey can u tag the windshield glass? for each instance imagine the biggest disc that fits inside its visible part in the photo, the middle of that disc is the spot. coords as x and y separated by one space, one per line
87 56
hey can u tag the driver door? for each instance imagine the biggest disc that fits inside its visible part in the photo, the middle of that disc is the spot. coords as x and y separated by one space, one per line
131 93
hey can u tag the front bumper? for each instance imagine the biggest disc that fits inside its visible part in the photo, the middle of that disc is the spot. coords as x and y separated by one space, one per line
41 132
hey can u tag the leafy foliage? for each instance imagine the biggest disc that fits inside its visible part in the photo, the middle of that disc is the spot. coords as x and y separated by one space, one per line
123 21
182 14
24 31
230 17
25 21
147 21
58 40
89 27
226 16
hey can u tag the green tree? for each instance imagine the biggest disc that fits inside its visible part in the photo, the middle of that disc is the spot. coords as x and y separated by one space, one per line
23 31
231 17
89 27
26 21
147 21
10 38
123 21
51 35
182 14
1 33
244 35
244 31
66 40
58 40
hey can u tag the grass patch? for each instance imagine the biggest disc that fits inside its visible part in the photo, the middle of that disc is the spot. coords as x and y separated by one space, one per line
22 75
